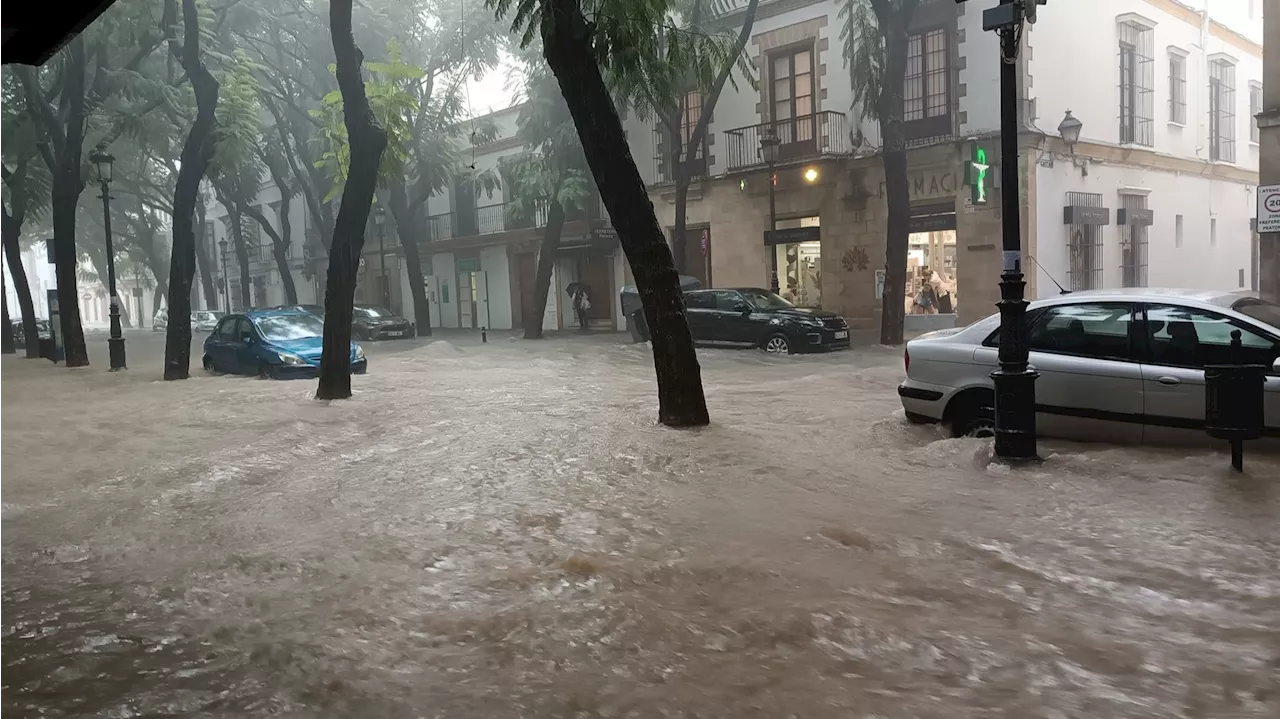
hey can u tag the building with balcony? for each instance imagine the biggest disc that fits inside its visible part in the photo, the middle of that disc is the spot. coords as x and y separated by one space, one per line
1169 160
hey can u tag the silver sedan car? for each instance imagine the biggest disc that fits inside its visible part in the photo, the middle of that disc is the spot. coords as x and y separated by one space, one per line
1122 366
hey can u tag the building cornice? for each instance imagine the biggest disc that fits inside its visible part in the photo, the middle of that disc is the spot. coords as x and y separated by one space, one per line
1216 29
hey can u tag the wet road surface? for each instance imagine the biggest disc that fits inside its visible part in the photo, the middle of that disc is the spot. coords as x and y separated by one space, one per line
501 530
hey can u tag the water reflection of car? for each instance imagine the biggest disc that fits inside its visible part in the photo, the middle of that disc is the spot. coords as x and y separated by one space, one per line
276 343
752 317
1123 366
20 334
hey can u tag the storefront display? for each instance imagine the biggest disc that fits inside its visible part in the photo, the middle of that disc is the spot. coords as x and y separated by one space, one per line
797 266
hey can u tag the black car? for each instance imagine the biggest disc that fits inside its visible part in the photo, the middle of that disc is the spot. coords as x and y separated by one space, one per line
20 334
369 322
752 317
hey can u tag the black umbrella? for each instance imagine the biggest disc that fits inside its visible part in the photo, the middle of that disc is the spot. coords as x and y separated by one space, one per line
573 288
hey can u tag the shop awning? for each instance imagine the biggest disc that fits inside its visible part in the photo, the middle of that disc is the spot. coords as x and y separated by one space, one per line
33 32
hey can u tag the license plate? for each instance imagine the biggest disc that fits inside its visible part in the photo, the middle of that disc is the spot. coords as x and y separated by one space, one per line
394 334
842 335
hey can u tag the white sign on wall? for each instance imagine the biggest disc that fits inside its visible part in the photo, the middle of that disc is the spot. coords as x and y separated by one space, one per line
1269 208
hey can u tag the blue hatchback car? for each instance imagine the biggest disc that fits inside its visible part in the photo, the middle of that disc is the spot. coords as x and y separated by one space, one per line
281 344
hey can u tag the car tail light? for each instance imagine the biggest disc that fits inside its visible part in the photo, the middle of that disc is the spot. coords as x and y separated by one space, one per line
906 360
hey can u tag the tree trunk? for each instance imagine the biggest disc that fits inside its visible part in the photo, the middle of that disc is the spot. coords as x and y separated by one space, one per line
407 230
567 47
196 152
66 194
13 253
546 264
896 183
207 269
279 245
242 252
368 140
7 345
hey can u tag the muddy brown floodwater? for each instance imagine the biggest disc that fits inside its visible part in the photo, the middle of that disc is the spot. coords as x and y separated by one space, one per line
501 530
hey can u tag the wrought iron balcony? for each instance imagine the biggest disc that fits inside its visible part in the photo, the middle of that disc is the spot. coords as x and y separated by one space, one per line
663 170
501 217
801 138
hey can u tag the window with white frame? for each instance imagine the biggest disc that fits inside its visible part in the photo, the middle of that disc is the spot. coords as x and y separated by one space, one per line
1222 113
1137 82
1255 107
1177 87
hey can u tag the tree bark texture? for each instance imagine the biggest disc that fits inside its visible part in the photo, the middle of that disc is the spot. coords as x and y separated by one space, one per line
893 23
206 268
683 177
567 45
368 140
196 153
546 264
21 287
7 345
408 230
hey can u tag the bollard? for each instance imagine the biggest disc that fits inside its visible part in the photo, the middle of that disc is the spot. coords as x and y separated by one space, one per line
1234 404
484 335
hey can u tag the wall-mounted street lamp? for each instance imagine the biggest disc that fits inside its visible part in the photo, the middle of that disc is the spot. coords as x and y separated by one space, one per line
769 151
1069 130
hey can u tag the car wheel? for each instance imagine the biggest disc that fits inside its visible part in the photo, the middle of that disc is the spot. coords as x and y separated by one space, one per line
777 344
208 365
973 414
264 371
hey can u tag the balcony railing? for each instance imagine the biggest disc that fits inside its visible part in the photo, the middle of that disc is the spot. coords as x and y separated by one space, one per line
663 171
800 138
502 217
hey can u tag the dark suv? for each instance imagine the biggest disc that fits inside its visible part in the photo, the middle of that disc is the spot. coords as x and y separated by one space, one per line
752 317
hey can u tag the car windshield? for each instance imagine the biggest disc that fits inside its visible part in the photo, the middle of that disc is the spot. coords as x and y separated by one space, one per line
764 300
1260 310
372 313
282 328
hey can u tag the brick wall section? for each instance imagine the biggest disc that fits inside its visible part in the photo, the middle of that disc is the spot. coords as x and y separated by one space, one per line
791 35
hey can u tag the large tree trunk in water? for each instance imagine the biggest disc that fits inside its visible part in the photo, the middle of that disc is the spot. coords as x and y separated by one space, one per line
66 194
407 230
195 160
279 246
368 140
205 267
567 46
546 264
896 183
13 255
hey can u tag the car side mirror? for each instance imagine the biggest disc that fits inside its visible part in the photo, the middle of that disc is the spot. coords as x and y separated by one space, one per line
1275 366
743 307
247 339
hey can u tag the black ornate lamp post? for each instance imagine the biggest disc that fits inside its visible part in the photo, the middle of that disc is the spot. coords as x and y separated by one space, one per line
226 281
769 150
102 161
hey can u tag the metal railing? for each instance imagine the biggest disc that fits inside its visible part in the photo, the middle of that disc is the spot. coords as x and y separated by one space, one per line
266 252
663 170
440 227
503 217
801 138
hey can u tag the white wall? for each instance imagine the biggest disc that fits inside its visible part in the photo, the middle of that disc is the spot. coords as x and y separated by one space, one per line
981 73
40 279
1074 66
1197 264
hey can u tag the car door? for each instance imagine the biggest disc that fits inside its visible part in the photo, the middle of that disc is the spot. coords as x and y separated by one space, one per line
731 323
218 346
246 347
700 308
1180 341
1090 386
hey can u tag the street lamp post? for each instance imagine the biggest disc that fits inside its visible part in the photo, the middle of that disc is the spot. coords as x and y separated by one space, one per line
226 281
380 219
769 150
1015 390
115 344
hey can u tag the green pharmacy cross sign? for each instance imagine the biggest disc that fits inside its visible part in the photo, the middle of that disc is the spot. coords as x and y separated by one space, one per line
975 174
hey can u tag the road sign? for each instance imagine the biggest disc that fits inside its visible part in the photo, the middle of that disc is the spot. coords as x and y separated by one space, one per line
1268 208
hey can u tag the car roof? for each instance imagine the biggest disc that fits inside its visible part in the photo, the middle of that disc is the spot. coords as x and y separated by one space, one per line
1215 298
275 312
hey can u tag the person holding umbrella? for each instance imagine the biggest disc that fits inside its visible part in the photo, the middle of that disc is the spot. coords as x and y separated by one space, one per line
581 302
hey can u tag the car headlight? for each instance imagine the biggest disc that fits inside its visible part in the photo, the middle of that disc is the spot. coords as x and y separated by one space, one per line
359 353
292 359
811 321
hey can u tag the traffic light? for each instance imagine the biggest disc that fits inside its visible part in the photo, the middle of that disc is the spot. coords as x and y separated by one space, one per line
975 173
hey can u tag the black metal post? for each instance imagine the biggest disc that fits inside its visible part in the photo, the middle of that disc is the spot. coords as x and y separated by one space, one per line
226 281
1015 401
382 254
773 227
115 343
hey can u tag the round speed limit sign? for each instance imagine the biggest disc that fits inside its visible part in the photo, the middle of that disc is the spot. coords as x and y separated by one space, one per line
1269 208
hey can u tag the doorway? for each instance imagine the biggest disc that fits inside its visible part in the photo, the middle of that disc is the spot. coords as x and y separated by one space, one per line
931 261
697 254
526 279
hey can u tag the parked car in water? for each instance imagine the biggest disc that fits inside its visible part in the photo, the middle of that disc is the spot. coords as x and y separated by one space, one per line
1122 365
752 317
205 320
372 323
276 343
43 331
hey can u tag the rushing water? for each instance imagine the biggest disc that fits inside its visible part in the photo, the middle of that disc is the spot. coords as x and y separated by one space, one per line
501 530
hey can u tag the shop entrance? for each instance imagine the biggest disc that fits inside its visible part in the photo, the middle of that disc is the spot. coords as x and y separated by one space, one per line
796 261
931 260
697 254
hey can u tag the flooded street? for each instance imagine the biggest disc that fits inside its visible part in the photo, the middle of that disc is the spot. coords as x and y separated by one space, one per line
502 530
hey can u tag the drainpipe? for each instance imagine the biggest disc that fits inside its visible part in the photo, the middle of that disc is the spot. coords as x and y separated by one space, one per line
1269 150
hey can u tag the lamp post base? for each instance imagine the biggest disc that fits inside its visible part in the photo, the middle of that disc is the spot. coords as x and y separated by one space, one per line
1015 410
116 347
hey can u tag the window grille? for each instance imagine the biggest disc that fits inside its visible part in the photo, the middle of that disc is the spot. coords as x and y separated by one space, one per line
1177 89
1136 82
1255 107
926 97
1222 114
1133 245
1084 246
